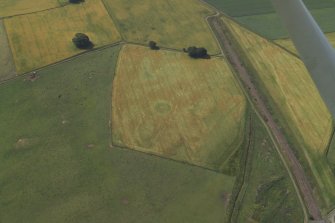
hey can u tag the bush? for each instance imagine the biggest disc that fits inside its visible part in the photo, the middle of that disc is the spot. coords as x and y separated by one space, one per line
82 41
195 52
76 1
153 45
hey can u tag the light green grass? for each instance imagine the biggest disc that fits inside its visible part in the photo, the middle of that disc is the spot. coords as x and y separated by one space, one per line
268 194
171 23
7 67
177 107
56 164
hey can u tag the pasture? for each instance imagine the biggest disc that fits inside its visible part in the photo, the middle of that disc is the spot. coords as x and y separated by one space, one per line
270 26
16 7
266 25
170 105
171 23
56 163
238 8
268 194
43 38
7 67
294 99
288 44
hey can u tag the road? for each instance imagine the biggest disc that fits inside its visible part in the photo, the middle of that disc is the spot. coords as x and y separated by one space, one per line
285 149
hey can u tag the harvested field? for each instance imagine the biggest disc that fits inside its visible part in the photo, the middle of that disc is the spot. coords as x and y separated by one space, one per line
294 100
288 44
42 38
7 67
167 104
15 7
171 23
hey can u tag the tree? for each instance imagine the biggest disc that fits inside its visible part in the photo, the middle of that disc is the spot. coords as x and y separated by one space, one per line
76 1
82 41
195 52
153 45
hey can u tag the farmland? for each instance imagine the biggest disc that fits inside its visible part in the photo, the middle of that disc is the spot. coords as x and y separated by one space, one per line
294 100
42 38
259 15
7 68
288 44
10 7
177 107
171 23
56 164
270 26
238 8
123 133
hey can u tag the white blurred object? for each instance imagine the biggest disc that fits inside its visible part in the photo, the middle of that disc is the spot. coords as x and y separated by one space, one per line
312 45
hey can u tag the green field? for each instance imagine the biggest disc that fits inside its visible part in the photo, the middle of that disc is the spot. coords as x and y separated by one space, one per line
266 25
171 23
237 8
7 67
268 194
43 38
295 102
56 164
260 17
177 107
270 26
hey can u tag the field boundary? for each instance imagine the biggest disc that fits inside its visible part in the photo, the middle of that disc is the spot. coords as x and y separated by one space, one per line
114 20
9 49
245 170
29 13
122 42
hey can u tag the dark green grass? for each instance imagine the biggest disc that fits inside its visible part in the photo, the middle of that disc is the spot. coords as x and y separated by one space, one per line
270 26
253 7
269 195
331 153
266 25
260 17
63 170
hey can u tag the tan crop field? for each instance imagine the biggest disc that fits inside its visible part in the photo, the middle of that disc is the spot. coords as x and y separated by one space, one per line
7 68
15 7
171 23
42 38
295 100
167 104
288 44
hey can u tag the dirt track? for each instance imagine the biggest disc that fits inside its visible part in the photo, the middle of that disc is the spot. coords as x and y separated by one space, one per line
285 149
